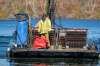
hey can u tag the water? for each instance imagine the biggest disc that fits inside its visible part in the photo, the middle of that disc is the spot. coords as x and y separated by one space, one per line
7 28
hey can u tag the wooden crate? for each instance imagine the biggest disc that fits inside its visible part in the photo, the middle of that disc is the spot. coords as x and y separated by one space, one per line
76 38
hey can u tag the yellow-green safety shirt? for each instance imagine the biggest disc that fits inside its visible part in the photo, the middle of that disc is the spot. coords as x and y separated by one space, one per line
44 26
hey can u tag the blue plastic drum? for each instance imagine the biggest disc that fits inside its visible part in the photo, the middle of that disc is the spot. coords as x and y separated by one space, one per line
22 30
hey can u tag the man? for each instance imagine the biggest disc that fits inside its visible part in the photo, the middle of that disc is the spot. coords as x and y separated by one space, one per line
44 27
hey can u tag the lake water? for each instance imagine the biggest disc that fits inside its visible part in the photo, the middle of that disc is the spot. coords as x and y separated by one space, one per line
7 27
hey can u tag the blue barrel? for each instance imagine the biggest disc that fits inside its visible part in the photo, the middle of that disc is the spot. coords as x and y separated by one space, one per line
22 30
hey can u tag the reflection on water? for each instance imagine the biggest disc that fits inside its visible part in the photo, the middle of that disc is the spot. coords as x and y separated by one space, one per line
54 62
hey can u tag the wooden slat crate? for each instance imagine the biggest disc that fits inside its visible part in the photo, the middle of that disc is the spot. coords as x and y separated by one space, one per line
76 38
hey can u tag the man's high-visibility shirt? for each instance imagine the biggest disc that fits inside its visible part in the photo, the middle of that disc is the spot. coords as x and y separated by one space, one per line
44 26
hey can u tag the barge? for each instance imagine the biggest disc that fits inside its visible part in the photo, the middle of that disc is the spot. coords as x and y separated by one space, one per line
64 43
